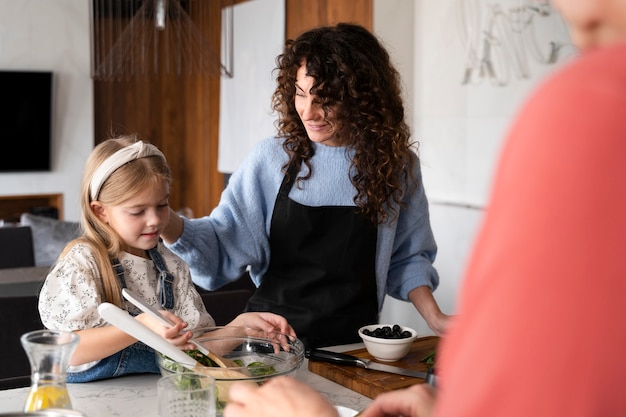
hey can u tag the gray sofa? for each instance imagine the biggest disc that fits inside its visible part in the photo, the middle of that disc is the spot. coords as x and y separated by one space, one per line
28 251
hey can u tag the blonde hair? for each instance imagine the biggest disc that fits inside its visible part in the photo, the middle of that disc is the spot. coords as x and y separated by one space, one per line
125 182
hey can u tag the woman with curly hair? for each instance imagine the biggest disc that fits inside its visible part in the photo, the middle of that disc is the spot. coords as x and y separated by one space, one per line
330 215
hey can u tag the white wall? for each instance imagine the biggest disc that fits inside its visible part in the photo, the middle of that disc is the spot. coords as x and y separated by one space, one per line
460 127
245 99
53 35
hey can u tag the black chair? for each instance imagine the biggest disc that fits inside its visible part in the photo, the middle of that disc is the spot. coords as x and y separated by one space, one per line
224 306
17 247
227 302
18 315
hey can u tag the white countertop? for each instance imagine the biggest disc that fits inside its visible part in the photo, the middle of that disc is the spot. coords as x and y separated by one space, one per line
132 396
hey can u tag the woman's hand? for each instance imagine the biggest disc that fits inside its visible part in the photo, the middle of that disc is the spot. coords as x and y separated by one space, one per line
174 227
424 302
280 396
268 322
438 323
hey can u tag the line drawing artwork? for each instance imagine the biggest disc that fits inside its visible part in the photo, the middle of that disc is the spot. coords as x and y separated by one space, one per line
502 38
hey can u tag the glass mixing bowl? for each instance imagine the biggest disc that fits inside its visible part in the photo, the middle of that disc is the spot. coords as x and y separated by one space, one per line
258 356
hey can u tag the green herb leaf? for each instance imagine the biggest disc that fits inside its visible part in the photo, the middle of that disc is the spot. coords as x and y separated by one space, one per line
429 359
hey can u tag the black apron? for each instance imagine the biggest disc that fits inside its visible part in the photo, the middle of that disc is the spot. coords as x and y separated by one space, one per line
321 275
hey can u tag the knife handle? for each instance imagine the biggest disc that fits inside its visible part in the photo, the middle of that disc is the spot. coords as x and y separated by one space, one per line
431 378
333 357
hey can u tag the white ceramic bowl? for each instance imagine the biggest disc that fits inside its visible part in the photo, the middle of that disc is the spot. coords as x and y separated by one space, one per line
387 350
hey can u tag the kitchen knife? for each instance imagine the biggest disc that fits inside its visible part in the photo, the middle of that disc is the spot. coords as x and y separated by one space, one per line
345 359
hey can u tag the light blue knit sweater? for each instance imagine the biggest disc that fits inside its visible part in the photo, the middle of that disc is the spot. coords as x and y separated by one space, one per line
220 247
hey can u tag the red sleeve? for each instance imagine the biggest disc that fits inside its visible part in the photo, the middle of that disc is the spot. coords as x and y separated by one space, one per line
540 329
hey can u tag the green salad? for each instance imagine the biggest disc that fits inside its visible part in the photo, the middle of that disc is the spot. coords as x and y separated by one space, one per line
255 368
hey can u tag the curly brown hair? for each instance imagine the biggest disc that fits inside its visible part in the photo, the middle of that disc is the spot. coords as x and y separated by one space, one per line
354 76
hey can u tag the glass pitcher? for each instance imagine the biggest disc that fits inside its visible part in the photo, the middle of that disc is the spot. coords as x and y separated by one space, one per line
49 352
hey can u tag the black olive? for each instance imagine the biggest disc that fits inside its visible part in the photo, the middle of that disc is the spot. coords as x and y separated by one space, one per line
388 332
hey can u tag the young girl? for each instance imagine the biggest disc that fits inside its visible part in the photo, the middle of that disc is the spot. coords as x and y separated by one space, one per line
124 205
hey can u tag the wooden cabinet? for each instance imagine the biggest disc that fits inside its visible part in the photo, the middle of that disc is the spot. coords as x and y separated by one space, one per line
180 115
301 15
12 206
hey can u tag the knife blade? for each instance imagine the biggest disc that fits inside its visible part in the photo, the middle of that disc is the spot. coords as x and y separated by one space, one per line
350 360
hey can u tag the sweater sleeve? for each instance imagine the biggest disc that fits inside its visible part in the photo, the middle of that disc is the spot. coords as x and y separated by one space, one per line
219 247
411 244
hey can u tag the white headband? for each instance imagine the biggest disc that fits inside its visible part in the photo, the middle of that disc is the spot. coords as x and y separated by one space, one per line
137 150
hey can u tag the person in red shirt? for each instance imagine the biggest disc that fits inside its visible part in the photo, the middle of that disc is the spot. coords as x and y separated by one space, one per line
540 321
540 324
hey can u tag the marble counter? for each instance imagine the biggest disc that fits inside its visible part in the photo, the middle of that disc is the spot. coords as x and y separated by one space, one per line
132 396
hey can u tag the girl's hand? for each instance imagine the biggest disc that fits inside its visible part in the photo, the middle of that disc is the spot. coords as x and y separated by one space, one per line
175 334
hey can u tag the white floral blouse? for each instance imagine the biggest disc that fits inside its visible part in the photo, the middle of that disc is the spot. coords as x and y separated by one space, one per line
72 291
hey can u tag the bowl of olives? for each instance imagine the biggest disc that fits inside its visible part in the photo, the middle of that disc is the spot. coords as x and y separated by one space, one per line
387 342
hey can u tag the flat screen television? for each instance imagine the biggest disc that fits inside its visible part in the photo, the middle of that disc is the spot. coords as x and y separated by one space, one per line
25 121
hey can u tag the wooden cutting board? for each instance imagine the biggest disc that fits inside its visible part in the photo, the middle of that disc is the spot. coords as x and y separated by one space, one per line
371 383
